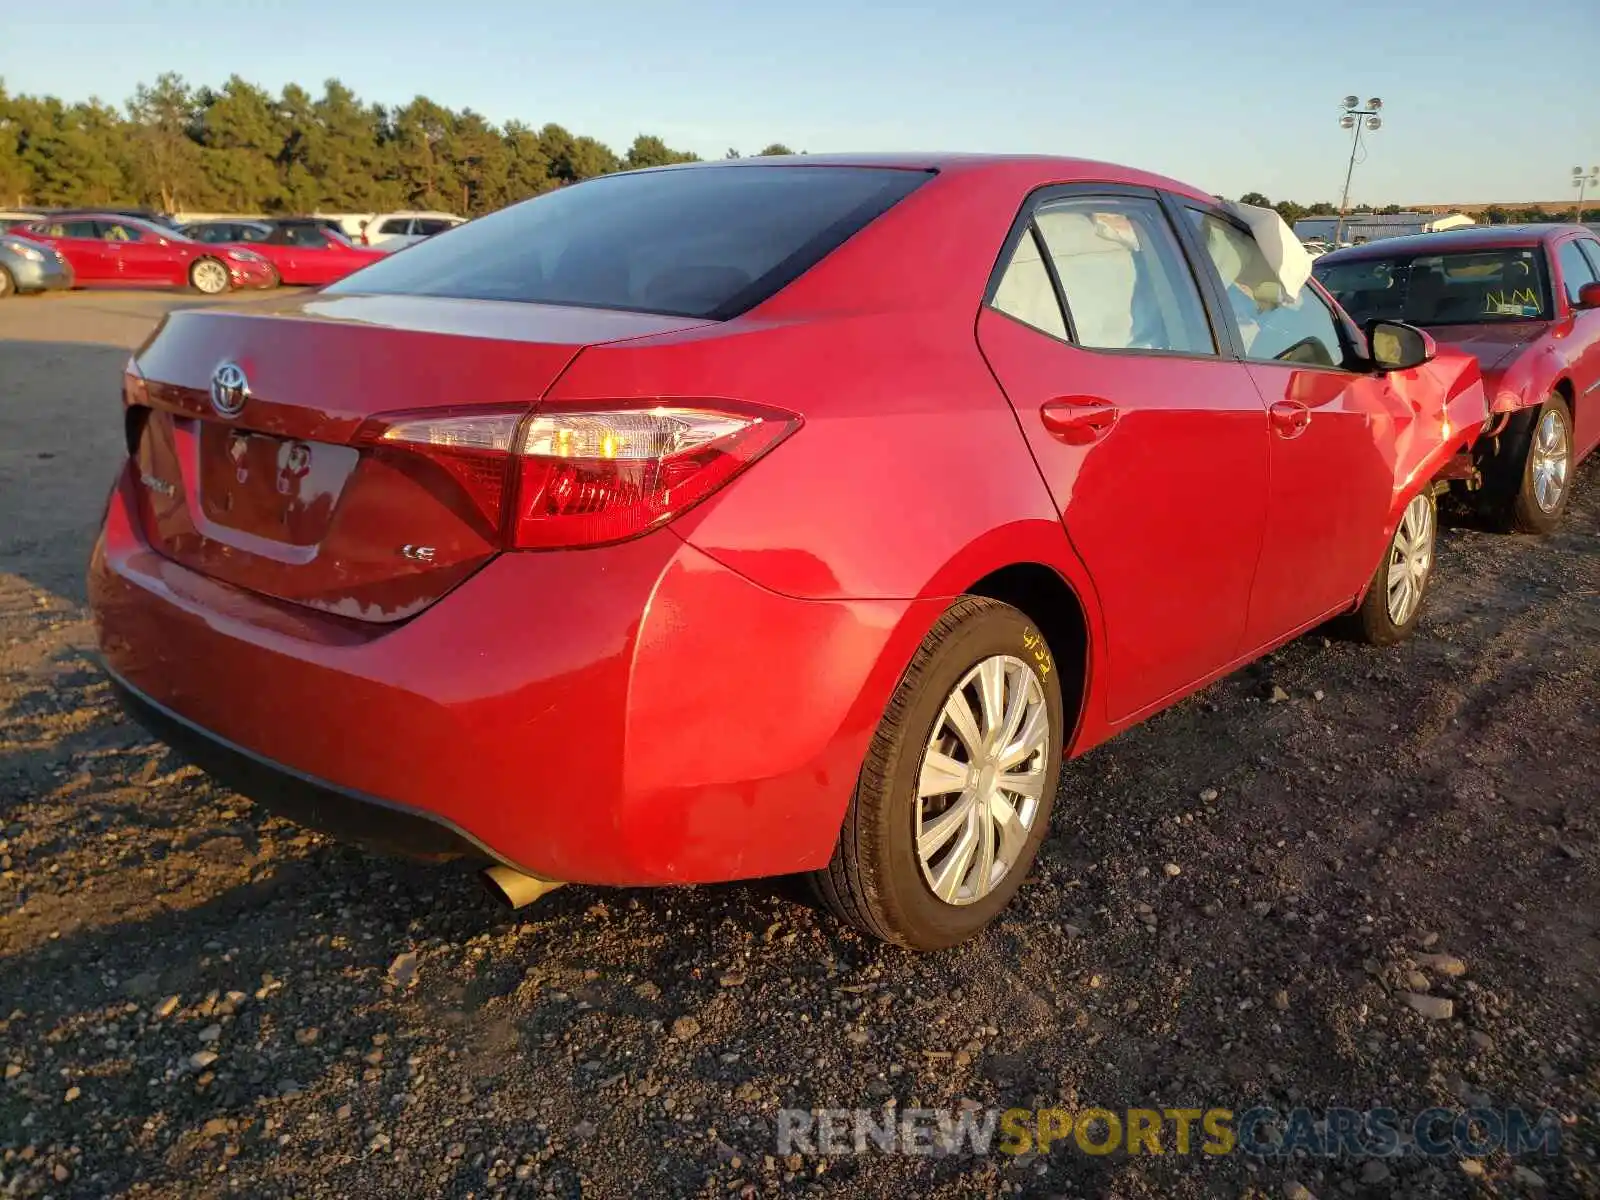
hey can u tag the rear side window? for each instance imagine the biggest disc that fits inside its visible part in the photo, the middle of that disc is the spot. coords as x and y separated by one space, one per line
697 241
429 228
69 229
1025 291
1126 284
396 225
1271 327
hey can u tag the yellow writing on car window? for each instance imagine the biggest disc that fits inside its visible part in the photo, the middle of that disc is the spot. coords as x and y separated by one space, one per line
1518 302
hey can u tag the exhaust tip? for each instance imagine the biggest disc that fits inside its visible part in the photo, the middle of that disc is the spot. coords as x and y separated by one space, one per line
514 889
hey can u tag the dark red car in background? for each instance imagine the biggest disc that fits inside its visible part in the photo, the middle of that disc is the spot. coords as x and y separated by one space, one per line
114 251
1525 300
740 519
301 251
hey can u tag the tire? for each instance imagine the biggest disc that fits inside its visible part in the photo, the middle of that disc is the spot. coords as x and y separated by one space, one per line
209 277
877 881
1537 476
8 285
1382 620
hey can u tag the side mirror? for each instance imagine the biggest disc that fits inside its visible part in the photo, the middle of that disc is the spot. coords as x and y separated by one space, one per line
1396 346
1588 296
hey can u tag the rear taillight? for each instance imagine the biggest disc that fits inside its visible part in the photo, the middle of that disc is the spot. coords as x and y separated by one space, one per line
582 478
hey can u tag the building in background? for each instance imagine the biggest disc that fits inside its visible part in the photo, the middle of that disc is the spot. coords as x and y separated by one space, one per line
1369 227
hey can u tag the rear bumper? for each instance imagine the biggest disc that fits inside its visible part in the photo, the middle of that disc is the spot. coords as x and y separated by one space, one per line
314 803
634 714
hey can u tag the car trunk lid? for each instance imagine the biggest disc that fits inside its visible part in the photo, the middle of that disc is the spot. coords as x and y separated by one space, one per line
251 464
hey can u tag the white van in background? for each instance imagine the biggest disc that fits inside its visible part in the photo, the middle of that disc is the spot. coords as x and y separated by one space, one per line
392 230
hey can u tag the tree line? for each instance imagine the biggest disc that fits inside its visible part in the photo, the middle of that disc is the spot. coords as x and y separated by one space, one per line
1493 215
239 148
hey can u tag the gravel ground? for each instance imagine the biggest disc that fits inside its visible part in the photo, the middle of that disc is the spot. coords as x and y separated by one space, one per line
197 999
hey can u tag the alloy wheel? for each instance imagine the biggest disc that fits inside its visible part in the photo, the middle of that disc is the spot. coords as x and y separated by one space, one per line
210 277
1410 559
981 779
1549 459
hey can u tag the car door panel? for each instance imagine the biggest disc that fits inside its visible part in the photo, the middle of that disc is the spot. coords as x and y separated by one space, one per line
1332 484
1156 461
144 260
1163 504
80 242
1339 435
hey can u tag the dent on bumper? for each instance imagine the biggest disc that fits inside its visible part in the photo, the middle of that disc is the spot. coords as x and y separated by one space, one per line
635 714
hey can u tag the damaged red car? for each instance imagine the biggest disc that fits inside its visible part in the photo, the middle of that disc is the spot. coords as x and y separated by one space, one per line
763 517
1523 299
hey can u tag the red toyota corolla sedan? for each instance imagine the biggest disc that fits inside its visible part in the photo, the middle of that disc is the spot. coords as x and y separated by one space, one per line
302 251
114 251
1525 300
740 519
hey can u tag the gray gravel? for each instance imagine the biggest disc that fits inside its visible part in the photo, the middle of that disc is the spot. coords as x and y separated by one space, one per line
1339 877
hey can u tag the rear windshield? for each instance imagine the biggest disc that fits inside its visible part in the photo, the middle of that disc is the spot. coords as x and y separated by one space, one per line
1467 288
696 242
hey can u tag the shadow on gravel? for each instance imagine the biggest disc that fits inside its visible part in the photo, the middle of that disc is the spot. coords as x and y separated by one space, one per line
61 436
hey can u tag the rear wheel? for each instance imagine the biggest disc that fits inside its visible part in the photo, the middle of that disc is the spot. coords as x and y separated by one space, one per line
956 791
1540 495
1393 603
208 277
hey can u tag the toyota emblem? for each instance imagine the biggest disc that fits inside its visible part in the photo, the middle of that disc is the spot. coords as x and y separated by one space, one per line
229 389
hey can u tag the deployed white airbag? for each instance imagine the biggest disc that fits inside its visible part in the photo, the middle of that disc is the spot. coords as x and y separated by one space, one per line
1286 257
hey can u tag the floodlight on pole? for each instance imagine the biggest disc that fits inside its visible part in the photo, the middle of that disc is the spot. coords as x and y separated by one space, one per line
1582 180
1356 118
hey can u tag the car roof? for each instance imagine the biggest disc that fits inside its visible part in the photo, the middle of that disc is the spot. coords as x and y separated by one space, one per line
1038 170
1472 237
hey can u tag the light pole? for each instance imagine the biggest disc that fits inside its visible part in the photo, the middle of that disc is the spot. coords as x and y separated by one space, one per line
1354 117
1581 181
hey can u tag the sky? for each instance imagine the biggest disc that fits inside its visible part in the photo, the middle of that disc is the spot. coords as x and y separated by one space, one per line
1480 104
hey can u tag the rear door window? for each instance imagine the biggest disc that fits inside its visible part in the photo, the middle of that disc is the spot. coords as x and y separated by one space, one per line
429 228
1271 327
396 226
706 241
1125 281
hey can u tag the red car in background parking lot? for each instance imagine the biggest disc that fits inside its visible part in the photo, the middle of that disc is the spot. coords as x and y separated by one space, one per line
113 251
302 251
1523 299
778 515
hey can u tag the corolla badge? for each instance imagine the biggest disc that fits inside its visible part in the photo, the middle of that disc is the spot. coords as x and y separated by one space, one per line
230 388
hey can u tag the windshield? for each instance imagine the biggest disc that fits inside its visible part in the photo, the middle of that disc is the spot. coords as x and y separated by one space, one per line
1465 288
694 242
